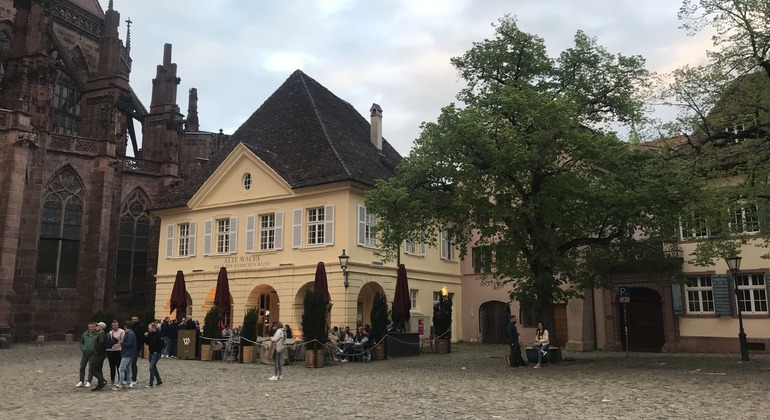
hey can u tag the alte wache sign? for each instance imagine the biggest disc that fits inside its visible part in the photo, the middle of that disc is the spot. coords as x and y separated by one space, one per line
249 261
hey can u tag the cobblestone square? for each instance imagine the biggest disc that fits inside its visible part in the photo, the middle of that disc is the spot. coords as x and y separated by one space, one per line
471 382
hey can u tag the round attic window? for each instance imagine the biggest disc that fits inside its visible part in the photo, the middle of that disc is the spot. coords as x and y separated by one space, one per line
247 181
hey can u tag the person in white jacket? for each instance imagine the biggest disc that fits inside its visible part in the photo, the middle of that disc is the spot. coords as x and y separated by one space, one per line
541 343
278 338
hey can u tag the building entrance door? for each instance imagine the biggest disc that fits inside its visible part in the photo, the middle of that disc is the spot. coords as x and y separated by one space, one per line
645 321
493 319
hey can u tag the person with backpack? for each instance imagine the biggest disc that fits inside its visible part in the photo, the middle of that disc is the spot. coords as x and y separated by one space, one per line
97 358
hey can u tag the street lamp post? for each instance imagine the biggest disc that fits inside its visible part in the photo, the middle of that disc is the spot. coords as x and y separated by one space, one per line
344 266
734 264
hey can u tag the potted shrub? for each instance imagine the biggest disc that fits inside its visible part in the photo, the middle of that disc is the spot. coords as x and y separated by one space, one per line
249 335
211 330
379 318
442 323
314 328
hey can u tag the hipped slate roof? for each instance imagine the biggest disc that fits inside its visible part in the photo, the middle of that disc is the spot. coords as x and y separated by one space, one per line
308 136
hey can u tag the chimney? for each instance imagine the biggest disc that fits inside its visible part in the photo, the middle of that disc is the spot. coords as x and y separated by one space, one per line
376 130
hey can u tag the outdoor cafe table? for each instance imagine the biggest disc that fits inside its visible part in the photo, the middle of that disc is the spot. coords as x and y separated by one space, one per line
293 350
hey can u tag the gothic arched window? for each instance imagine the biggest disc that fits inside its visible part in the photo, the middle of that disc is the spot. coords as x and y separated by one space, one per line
59 246
133 244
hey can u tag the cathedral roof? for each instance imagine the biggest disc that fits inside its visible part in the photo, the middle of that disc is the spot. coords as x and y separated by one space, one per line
309 136
91 6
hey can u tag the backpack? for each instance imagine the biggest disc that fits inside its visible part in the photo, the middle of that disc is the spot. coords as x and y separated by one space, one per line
108 341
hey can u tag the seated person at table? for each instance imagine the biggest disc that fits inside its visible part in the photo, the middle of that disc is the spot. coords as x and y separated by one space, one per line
226 332
361 338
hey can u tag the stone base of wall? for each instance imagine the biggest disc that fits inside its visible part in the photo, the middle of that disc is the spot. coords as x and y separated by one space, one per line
720 345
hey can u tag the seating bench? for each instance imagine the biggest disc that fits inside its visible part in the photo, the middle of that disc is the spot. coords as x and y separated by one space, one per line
553 356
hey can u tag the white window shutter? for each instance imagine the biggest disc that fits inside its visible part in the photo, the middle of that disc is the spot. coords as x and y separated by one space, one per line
191 249
170 241
279 230
423 248
362 225
296 229
233 235
207 237
250 222
329 228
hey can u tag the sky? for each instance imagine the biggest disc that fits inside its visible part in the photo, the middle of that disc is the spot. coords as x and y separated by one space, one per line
392 52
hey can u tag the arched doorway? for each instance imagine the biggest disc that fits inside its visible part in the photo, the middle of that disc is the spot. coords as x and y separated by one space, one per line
173 315
494 317
645 321
208 303
364 303
265 300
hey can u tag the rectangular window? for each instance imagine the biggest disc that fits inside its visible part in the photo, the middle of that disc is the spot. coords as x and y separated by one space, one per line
745 219
315 226
752 293
410 247
700 295
697 227
481 258
413 297
267 232
184 239
223 236
447 247
366 222
527 317
436 296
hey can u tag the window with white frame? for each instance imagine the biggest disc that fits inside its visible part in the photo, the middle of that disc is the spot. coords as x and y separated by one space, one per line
414 247
413 297
696 227
436 297
745 218
700 295
447 247
267 232
366 222
184 239
223 236
315 226
752 293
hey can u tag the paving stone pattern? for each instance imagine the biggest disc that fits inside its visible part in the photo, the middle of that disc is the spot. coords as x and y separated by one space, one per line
471 382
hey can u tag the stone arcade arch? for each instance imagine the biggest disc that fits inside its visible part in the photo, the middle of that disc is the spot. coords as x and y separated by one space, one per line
208 303
264 298
167 308
364 302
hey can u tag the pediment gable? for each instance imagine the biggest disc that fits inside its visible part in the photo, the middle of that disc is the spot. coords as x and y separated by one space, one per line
228 184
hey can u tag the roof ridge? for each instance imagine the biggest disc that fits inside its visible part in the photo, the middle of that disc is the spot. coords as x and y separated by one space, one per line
323 126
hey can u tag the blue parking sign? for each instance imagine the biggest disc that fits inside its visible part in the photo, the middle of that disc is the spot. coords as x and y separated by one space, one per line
624 294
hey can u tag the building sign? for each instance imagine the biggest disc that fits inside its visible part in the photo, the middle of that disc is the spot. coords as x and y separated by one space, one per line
624 294
248 261
421 327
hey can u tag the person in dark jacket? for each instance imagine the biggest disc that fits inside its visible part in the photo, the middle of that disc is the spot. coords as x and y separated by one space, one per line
127 352
165 332
139 331
155 344
97 358
513 342
174 331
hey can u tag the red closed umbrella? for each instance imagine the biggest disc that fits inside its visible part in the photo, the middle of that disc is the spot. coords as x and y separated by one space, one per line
402 303
178 301
321 284
222 294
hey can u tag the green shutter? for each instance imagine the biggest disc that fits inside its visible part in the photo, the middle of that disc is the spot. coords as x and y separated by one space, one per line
676 298
722 301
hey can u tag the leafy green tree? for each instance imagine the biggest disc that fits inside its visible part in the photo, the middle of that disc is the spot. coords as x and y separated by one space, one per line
724 117
529 171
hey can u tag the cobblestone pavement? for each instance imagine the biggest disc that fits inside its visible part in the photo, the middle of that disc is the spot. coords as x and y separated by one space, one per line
471 382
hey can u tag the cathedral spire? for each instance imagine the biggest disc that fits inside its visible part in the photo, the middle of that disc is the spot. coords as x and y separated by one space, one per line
109 5
128 34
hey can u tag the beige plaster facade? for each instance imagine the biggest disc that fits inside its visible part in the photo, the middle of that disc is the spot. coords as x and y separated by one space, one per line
284 273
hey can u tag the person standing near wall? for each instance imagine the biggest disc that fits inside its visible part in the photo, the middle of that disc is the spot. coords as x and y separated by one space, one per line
278 338
513 342
155 345
115 337
87 347
127 352
97 358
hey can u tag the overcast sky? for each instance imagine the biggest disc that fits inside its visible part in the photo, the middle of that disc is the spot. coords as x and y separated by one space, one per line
392 52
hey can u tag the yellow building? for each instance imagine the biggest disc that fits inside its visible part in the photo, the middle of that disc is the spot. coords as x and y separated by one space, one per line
285 193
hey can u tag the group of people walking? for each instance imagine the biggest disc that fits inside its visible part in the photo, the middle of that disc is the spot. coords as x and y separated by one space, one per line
121 347
540 346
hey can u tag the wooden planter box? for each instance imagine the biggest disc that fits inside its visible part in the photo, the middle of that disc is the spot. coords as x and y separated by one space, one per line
443 345
379 351
247 354
314 358
205 351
